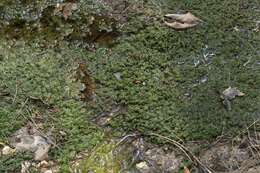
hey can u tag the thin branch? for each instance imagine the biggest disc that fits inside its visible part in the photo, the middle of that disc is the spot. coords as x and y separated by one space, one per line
15 95
41 133
186 151
247 128
34 123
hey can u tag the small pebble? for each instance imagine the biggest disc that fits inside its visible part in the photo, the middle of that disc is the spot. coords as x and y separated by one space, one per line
118 76
7 150
143 167
25 166
43 164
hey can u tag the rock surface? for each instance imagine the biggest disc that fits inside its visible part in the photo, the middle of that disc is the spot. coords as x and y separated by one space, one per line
25 140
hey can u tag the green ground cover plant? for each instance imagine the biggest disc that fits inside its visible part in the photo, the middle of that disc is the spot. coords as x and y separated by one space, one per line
170 81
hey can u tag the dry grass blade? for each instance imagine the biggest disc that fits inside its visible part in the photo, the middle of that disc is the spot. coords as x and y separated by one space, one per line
34 123
186 151
247 129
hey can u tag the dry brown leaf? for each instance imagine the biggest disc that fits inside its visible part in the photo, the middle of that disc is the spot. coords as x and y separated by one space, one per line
186 170
184 18
65 8
230 93
182 21
68 8
179 26
87 92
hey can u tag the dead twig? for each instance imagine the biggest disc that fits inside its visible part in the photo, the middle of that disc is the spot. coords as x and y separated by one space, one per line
40 132
21 109
247 129
15 95
186 151
125 138
34 123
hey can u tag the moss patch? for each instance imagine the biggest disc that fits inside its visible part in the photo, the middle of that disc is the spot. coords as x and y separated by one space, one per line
172 81
102 159
30 72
